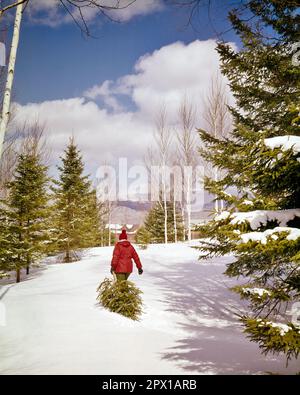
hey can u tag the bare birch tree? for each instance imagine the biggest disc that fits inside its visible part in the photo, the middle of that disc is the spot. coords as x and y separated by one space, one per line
5 113
29 139
33 141
176 191
106 194
175 219
163 139
109 210
218 122
187 146
8 164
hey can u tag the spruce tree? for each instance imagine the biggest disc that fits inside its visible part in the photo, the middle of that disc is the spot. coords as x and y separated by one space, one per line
122 297
5 257
154 224
75 206
261 185
24 215
91 225
96 231
143 237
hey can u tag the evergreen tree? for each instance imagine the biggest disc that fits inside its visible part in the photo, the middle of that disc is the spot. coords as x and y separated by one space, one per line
91 225
96 231
142 237
122 297
154 224
261 161
75 206
5 266
24 215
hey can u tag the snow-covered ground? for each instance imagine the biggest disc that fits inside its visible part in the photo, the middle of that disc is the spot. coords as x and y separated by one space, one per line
54 326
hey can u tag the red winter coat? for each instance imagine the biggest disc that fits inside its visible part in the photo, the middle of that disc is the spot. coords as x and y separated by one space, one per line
123 254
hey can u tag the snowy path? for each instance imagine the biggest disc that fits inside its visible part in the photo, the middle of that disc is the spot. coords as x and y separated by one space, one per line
54 325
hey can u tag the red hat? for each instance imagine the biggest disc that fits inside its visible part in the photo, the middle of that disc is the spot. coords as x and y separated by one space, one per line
123 235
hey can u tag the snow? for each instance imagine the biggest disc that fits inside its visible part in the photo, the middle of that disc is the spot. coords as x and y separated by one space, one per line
226 194
283 328
222 216
247 202
114 226
284 142
189 326
262 237
256 291
118 226
258 218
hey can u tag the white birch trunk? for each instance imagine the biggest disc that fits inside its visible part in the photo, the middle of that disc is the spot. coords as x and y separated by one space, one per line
216 206
183 219
109 230
188 208
10 76
165 205
175 219
216 170
222 205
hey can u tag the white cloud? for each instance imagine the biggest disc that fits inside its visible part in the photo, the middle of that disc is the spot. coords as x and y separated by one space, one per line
105 92
172 72
165 76
53 13
100 135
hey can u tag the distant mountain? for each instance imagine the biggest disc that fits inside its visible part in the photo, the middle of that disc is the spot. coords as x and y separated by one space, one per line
139 206
130 212
127 215
145 206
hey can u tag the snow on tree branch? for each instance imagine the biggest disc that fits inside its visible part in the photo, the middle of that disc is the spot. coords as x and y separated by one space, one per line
262 237
259 218
284 142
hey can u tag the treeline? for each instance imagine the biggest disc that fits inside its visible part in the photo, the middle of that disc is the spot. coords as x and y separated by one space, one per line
40 216
153 229
175 151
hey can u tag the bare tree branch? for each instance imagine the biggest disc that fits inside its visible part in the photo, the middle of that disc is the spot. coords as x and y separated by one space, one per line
163 139
4 9
34 141
75 8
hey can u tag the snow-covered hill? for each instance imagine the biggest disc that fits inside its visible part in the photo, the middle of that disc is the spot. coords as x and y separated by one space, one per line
54 325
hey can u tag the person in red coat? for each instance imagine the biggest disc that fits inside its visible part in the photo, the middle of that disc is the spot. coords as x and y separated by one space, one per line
123 254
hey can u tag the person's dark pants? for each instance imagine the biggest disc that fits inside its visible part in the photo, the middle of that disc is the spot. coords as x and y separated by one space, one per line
122 276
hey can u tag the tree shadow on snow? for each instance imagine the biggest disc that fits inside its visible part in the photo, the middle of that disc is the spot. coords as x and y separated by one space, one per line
37 270
34 273
214 342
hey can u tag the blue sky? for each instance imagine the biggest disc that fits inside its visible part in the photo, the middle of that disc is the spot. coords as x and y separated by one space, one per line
106 91
57 62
